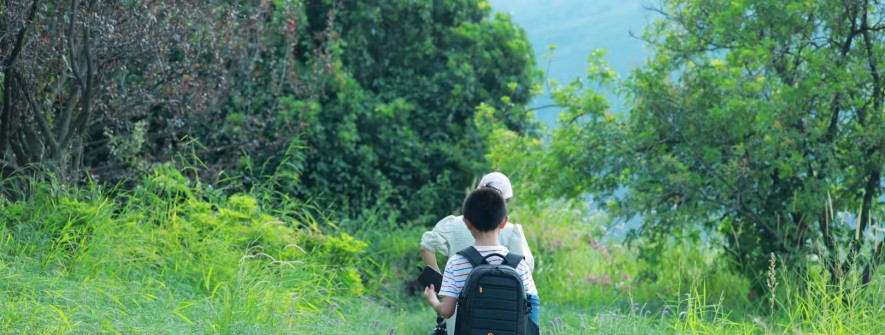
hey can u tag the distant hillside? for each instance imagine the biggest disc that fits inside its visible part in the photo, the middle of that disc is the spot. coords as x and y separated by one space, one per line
577 28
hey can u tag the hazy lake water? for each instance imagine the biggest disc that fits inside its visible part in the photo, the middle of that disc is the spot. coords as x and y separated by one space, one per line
577 28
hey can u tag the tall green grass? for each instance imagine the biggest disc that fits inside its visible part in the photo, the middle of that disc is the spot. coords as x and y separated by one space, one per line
170 256
590 283
176 256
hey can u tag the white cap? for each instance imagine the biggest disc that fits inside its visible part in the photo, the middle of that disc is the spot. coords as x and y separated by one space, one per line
498 181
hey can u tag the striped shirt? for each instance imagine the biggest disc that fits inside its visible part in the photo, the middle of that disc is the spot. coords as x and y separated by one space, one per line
450 235
457 269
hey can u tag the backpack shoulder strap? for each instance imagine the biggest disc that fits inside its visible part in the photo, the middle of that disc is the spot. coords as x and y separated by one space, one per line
472 256
513 259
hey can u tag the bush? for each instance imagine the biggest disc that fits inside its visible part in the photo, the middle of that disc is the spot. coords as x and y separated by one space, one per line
85 262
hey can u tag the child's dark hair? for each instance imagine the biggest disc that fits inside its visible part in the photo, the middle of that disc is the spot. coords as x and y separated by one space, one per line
484 208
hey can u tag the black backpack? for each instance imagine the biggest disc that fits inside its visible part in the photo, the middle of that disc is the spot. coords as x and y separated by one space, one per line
493 300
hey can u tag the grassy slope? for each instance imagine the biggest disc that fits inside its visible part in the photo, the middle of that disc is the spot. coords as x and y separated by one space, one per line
167 257
171 258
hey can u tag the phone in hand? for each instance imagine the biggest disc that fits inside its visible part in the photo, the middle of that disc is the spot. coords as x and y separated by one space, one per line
430 276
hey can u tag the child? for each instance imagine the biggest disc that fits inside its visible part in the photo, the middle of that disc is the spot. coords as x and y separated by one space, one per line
485 215
451 235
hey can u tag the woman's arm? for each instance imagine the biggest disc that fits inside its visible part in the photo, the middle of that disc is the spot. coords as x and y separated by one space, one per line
437 241
429 258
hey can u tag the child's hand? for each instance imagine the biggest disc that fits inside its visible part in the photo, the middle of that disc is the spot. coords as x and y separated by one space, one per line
430 295
444 309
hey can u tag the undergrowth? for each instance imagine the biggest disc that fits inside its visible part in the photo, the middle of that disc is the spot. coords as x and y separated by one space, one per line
170 256
175 256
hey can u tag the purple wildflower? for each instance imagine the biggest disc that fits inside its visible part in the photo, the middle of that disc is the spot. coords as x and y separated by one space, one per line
377 322
635 307
666 311
605 280
559 320
332 309
598 246
392 330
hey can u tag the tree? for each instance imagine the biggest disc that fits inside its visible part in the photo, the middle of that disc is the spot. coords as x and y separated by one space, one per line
378 96
74 69
266 73
395 127
761 120
106 85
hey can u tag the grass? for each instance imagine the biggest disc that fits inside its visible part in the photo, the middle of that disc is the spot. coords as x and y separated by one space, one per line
45 303
168 257
173 256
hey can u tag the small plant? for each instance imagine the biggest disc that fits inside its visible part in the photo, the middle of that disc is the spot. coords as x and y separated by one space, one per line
772 285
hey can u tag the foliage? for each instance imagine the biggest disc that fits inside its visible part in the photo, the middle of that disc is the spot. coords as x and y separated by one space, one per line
269 70
77 72
379 101
110 87
75 260
761 121
396 125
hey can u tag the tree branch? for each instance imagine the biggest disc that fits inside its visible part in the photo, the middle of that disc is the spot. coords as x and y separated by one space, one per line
871 189
11 165
875 260
6 115
85 108
65 126
6 112
41 119
20 154
833 127
873 64
20 37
